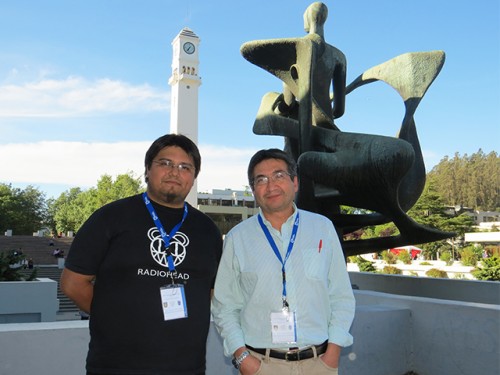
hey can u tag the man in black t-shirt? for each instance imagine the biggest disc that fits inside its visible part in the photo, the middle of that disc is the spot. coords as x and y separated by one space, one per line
143 267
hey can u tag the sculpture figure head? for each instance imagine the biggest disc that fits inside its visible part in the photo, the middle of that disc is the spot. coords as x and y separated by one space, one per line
315 17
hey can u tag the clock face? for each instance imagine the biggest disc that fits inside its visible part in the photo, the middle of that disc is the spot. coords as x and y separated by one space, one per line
188 48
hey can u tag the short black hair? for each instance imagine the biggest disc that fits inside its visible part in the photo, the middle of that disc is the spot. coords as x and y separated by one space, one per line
271 153
177 140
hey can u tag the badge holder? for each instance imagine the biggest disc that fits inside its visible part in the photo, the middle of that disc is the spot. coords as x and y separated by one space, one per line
284 325
173 301
173 297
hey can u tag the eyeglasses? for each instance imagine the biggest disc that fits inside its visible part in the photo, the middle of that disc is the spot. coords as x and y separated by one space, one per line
170 165
278 176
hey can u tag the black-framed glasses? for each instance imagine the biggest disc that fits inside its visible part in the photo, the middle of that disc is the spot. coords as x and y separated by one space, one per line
168 164
277 176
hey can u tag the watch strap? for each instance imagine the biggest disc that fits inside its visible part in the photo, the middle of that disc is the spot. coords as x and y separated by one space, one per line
238 360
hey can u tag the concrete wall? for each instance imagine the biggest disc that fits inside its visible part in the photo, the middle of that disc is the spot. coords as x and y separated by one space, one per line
392 335
450 289
44 348
447 337
61 348
28 301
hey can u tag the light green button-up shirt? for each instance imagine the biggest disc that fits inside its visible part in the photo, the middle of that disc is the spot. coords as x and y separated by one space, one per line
249 284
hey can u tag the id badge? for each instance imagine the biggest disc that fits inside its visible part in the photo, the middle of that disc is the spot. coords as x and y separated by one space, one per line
173 302
284 327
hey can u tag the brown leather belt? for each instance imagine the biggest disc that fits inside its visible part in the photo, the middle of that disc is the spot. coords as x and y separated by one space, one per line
293 354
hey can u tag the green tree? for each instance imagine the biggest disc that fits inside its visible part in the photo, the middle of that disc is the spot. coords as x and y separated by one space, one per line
470 181
49 219
23 211
490 269
66 212
32 210
75 206
430 210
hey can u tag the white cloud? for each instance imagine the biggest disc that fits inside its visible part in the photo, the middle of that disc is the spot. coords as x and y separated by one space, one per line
76 96
72 163
80 164
223 168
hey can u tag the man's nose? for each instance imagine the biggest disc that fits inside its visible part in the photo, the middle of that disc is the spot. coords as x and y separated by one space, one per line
174 170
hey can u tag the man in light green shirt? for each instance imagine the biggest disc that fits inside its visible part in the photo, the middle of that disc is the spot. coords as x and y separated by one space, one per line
283 301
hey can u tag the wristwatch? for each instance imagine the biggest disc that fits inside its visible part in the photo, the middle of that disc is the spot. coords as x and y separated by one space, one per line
237 360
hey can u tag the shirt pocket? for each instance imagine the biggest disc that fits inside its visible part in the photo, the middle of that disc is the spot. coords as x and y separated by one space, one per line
316 264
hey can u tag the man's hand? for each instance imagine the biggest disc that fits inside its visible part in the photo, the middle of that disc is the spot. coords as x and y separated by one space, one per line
250 365
332 355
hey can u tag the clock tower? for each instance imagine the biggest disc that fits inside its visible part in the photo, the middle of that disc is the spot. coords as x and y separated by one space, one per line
185 83
184 93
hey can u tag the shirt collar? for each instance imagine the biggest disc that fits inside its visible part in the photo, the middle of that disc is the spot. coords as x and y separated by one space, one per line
288 223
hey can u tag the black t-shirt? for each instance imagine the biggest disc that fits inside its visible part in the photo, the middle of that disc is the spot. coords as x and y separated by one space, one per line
121 245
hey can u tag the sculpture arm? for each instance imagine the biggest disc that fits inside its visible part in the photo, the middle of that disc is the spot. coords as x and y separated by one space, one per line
339 90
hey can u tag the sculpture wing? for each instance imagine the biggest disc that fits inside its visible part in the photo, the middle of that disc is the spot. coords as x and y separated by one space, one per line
411 75
276 56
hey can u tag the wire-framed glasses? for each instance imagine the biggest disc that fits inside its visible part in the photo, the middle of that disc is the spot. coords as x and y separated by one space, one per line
168 164
277 176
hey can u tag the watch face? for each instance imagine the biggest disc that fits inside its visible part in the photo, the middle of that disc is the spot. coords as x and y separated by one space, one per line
188 48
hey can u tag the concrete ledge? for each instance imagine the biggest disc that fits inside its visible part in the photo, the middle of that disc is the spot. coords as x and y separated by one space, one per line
450 289
28 301
449 337
44 348
393 334
381 335
382 342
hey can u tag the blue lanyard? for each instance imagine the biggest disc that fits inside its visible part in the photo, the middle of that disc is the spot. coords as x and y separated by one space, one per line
166 237
277 252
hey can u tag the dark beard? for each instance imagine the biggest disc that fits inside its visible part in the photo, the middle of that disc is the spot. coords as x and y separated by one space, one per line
171 198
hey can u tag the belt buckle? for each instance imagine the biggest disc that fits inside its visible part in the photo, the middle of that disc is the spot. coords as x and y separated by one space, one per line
297 352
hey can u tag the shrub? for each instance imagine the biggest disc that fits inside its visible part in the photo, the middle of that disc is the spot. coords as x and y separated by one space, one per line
11 264
434 272
446 257
405 257
425 264
391 270
364 265
489 271
469 256
389 257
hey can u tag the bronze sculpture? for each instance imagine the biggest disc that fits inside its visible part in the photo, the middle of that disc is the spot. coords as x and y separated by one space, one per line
385 175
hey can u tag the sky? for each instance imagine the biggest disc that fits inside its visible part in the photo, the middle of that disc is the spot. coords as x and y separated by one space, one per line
84 83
